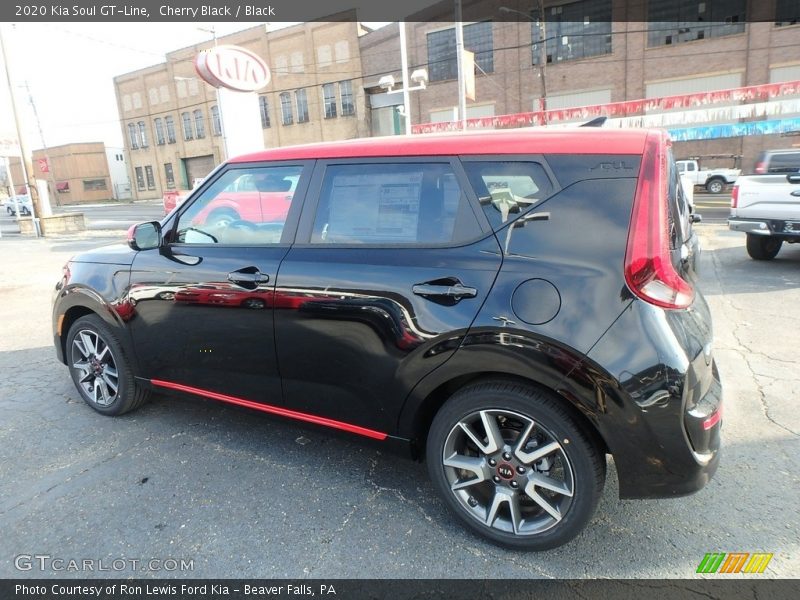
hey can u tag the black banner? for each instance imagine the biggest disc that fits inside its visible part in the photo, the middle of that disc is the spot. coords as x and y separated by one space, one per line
345 10
394 589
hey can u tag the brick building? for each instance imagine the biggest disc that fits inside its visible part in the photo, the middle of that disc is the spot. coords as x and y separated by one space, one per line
597 52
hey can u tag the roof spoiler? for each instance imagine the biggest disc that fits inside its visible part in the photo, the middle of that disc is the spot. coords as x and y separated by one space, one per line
597 122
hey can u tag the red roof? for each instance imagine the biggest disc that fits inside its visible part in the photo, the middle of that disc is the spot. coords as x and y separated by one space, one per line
577 140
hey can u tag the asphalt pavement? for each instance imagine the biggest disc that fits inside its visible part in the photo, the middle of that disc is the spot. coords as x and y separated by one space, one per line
246 495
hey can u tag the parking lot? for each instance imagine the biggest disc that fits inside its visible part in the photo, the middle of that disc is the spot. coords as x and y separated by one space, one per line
242 494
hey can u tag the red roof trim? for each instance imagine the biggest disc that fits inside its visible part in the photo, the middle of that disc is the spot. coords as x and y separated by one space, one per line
275 410
517 141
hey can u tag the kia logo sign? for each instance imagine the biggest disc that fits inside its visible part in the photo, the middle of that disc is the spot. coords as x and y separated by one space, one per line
232 67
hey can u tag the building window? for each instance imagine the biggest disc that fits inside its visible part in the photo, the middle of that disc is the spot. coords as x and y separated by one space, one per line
94 185
302 106
170 122
573 31
142 134
139 178
442 50
329 100
216 123
287 118
133 136
787 12
151 182
263 108
160 139
169 176
346 96
672 22
199 124
186 119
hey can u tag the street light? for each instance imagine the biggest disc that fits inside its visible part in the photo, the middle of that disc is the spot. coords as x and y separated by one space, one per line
542 52
419 76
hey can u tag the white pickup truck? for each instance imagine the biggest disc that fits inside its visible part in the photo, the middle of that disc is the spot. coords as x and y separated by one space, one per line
767 209
714 180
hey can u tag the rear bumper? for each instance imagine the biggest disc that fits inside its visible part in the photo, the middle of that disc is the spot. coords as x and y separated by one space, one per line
779 227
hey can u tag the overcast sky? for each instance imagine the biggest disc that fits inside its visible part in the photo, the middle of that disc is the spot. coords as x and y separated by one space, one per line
70 69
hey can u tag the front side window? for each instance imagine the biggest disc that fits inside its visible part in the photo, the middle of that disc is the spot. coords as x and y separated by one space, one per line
577 30
386 203
329 100
186 120
160 138
346 96
302 106
199 124
287 117
170 122
442 63
243 207
506 189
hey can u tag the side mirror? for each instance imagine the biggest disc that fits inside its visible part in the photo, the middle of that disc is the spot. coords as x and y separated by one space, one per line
695 218
145 236
793 178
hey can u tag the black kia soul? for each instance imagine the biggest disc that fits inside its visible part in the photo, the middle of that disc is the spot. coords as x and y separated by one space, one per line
509 306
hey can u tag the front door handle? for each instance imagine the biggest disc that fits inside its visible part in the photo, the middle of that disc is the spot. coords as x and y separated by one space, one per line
455 291
249 277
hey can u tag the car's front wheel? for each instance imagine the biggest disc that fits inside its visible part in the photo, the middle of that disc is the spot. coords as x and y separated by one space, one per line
763 247
715 186
514 466
100 369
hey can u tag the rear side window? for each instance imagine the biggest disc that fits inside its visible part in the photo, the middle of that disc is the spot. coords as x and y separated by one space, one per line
784 163
393 203
506 189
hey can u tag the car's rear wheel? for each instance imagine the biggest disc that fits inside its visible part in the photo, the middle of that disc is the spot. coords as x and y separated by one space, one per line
763 247
100 370
222 217
715 186
514 466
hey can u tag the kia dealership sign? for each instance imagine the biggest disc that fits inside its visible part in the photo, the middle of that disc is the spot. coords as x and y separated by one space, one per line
232 67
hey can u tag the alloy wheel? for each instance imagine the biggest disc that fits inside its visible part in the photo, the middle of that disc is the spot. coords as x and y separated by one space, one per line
95 367
508 472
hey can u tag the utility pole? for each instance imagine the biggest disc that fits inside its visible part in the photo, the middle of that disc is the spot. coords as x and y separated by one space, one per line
543 60
50 169
404 65
462 97
27 169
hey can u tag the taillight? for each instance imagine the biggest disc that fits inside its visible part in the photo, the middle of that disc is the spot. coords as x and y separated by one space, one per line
649 271
735 197
761 167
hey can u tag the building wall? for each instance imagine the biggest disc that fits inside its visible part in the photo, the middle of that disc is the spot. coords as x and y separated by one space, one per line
298 59
78 173
762 53
118 171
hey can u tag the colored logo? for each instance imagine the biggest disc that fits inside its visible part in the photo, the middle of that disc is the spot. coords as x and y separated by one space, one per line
734 562
232 67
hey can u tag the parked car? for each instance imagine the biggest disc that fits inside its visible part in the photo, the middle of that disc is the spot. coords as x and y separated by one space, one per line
510 307
775 162
21 203
713 180
767 209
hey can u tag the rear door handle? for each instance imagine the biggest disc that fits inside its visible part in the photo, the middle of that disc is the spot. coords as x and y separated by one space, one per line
248 277
456 291
795 193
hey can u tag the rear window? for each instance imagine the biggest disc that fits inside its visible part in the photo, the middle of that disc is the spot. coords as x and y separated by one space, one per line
506 189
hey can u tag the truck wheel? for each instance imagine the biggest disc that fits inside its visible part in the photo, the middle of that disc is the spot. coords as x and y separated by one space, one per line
763 247
511 463
715 186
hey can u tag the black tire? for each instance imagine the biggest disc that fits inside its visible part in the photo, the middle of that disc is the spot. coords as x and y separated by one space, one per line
511 405
715 185
763 247
129 394
222 217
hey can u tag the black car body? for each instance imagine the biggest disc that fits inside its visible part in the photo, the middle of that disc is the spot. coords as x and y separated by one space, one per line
512 306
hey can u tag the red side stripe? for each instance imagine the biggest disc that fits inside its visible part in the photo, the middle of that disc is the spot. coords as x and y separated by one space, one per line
275 410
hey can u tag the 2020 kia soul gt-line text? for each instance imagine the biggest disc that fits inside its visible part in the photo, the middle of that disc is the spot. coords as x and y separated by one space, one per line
510 307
